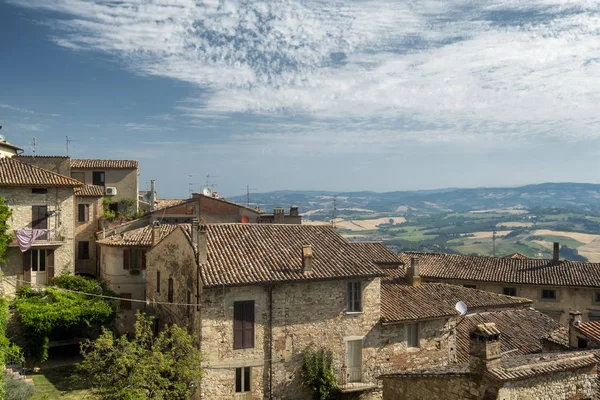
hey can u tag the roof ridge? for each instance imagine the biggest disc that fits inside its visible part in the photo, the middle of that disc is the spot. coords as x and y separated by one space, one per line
70 181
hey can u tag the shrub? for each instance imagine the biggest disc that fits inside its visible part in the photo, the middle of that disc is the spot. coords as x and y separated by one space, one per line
318 374
16 389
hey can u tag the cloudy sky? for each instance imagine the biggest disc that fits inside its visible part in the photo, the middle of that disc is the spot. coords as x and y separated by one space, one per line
292 94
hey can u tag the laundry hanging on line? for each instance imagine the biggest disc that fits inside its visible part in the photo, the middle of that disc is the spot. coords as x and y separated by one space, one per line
26 237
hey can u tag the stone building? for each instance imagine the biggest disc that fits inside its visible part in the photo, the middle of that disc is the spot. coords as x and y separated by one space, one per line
489 375
556 286
39 200
119 178
88 213
58 164
258 294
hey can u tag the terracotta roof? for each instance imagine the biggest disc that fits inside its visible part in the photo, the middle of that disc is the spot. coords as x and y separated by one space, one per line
516 255
522 330
402 302
137 237
377 252
201 195
506 270
18 173
90 191
160 204
116 164
590 329
559 336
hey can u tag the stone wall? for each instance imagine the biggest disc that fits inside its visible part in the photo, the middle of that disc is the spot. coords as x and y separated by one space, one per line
568 298
429 388
58 164
86 231
125 180
21 200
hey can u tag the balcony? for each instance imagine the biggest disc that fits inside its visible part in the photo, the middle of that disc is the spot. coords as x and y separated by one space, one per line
50 239
351 380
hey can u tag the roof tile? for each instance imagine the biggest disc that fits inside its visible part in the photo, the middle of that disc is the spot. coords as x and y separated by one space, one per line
17 173
90 191
91 164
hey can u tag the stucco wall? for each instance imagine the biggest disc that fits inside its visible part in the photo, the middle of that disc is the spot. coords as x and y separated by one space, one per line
21 200
568 298
125 180
86 231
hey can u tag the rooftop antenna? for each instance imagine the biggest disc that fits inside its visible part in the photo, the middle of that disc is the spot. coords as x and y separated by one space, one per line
34 143
248 194
69 140
494 244
210 184
334 210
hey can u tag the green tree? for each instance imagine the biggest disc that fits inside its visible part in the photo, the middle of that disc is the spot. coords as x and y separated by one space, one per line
5 236
166 366
318 374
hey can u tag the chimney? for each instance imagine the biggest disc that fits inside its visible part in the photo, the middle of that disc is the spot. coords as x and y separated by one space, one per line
152 195
278 215
574 322
294 211
485 349
556 254
307 259
413 276
155 233
202 242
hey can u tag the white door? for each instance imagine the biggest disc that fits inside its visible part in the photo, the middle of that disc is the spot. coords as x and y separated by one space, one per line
354 360
38 266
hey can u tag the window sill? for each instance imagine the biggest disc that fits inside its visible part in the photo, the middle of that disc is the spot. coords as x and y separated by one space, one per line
354 312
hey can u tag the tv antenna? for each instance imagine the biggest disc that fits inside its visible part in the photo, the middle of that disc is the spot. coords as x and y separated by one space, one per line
494 244
191 185
69 140
210 184
334 210
34 143
248 189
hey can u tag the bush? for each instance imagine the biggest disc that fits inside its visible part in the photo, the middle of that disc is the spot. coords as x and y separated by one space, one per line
16 389
318 374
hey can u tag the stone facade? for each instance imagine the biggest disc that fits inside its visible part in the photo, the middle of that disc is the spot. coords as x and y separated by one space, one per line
86 231
429 388
124 179
60 240
571 385
58 164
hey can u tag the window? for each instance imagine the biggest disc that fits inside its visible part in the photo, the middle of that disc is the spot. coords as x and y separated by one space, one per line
39 191
83 212
79 176
354 360
170 293
98 178
158 281
83 250
38 260
354 297
470 286
597 297
243 324
509 291
134 259
125 304
582 343
39 219
242 380
548 294
412 335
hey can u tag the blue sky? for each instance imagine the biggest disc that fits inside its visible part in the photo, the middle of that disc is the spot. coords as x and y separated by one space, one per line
328 95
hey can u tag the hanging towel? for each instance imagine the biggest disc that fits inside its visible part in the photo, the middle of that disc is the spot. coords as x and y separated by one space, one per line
26 237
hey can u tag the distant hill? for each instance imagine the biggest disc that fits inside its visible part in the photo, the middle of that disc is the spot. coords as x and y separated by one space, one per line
559 195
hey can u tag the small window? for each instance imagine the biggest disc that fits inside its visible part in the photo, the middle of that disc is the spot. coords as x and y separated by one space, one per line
242 380
158 281
83 250
470 286
39 191
243 324
98 178
548 294
354 297
83 212
597 297
509 291
412 335
125 304
170 293
582 343
38 260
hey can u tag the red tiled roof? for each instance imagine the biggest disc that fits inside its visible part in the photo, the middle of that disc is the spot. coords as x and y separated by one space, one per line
137 237
116 164
522 330
591 329
506 270
18 173
377 252
166 203
517 255
90 191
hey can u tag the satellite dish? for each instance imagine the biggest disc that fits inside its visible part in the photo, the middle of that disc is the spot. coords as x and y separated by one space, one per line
461 307
207 192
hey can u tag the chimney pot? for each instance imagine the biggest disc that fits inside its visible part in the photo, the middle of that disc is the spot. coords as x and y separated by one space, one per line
307 259
278 215
485 353
294 211
556 254
155 233
413 273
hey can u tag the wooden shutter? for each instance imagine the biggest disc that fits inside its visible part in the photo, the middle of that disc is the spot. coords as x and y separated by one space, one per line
238 324
125 258
248 337
50 264
27 267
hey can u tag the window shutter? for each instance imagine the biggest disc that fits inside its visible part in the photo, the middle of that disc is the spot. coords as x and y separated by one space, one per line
27 266
158 281
125 258
86 211
50 263
248 337
238 325
143 259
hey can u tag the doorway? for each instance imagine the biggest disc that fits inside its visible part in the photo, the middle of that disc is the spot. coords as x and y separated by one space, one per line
38 266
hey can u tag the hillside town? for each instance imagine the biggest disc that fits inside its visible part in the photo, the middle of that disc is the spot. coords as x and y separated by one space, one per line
258 290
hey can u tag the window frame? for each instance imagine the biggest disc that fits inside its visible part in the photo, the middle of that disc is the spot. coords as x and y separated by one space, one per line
543 298
354 297
103 174
245 382
244 321
40 260
83 210
511 289
86 250
413 336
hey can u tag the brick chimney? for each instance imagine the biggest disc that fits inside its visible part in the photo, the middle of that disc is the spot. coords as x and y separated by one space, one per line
556 254
278 215
574 321
413 276
485 348
307 259
294 211
202 242
155 233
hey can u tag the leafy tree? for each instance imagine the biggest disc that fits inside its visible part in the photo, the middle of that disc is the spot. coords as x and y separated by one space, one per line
318 374
127 204
5 236
166 366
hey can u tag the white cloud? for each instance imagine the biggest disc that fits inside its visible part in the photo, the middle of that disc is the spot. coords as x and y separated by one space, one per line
461 71
17 109
28 127
131 126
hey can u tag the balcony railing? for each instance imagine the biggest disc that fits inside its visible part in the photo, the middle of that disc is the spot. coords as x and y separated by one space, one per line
351 379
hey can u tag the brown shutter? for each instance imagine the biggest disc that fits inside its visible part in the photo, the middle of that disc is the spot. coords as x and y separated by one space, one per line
27 266
238 325
125 258
50 264
80 217
248 340
143 259
86 211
